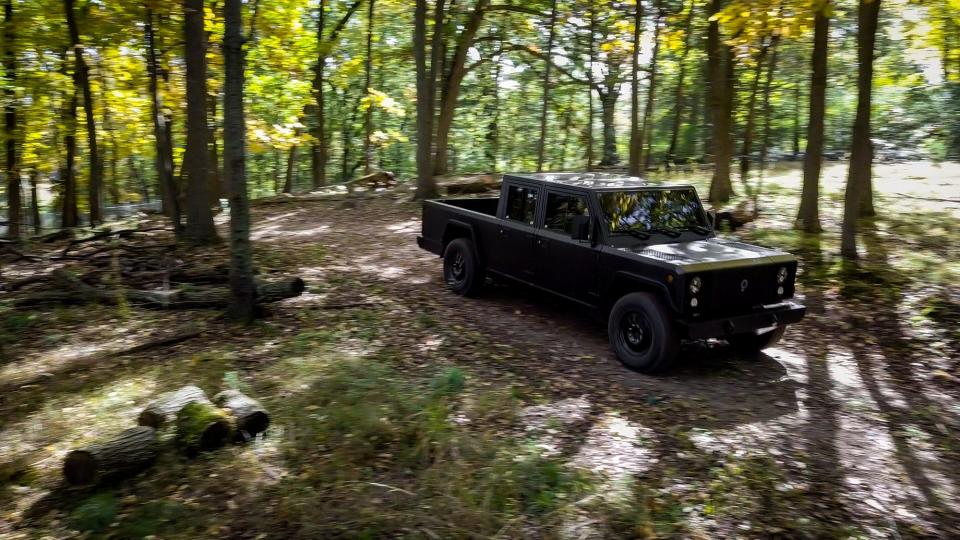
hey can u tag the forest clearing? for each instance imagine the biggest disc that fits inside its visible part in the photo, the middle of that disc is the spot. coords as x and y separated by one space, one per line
401 409
217 321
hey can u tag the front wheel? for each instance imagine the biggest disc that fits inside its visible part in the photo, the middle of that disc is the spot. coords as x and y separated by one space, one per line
642 334
753 343
461 270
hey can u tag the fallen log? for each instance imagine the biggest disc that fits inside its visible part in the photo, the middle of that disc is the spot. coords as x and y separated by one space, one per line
202 426
129 452
165 409
190 297
249 416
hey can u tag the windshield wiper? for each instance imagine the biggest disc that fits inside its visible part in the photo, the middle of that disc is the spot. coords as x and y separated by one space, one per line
634 233
672 233
699 229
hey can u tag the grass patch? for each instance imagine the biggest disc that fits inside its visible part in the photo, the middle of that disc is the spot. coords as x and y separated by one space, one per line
94 514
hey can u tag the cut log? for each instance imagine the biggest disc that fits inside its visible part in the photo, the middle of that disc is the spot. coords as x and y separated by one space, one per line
472 184
250 417
165 409
273 291
202 426
129 452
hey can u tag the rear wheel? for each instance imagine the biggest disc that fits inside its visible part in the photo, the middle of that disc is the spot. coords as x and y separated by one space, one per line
641 333
461 270
752 342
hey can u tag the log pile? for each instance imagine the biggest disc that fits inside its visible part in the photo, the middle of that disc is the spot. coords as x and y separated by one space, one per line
198 425
140 265
469 184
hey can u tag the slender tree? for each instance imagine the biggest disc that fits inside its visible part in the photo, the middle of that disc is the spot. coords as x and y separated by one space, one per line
69 216
636 135
11 170
34 202
591 51
162 131
368 82
426 76
242 290
542 141
195 168
748 129
720 103
861 155
646 129
808 218
767 111
679 101
320 152
81 79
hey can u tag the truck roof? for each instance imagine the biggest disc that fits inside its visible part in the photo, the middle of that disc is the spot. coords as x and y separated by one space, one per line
597 181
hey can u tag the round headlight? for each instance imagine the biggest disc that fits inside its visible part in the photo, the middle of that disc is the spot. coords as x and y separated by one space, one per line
695 285
694 303
782 275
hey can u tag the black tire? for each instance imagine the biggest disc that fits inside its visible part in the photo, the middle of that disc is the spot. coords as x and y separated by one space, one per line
641 333
754 343
461 270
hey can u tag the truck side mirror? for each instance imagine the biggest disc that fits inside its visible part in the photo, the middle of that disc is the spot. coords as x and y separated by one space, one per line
581 227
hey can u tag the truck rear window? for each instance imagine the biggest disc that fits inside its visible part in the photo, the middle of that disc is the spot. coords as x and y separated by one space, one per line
521 204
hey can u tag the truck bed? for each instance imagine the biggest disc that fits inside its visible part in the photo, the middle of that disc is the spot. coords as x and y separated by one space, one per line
484 205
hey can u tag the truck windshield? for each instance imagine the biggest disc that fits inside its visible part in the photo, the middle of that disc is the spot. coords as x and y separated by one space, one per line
664 211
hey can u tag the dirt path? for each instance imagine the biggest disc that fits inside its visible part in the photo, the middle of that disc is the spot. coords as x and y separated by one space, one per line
852 432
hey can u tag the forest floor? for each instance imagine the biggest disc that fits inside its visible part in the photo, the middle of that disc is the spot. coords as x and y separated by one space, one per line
400 409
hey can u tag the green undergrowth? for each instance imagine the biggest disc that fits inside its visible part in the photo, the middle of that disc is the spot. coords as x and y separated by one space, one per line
376 454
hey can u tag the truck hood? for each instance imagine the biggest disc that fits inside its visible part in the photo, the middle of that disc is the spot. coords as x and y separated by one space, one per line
710 254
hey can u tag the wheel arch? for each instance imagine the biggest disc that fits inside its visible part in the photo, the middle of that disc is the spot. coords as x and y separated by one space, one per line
624 283
459 229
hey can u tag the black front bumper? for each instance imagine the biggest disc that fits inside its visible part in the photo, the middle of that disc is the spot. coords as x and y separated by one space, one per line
778 315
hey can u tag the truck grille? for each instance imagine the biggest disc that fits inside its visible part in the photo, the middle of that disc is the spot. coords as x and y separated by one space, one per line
739 289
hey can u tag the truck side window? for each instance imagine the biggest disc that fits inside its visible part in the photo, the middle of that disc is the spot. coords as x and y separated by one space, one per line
521 204
560 212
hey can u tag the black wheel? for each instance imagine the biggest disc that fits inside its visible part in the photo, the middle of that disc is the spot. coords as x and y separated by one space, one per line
461 270
752 342
641 333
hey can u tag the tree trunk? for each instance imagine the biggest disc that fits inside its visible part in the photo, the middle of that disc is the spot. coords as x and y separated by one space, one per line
195 168
767 112
426 185
861 155
163 160
796 120
318 155
201 426
249 416
646 129
163 410
751 117
720 187
131 451
217 189
320 152
368 114
34 203
81 79
451 79
678 97
608 103
69 216
12 171
242 289
808 218
590 110
291 165
542 141
636 134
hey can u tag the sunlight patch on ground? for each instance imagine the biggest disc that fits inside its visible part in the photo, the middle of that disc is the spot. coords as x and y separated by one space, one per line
618 449
406 227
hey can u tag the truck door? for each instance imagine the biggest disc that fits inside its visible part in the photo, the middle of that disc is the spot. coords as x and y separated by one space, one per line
517 233
566 266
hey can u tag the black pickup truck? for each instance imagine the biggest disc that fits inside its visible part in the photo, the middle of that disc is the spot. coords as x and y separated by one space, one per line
644 255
